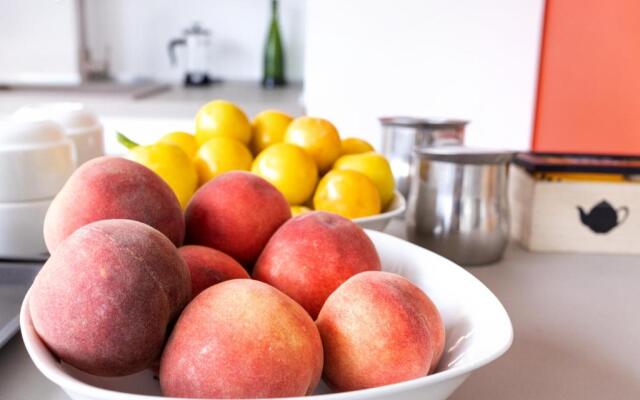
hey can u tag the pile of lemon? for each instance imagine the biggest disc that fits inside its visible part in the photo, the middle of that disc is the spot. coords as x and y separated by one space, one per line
303 157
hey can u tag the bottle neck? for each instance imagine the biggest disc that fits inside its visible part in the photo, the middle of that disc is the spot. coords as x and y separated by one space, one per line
274 9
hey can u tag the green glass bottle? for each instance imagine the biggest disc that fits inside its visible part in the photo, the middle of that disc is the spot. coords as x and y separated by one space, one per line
273 73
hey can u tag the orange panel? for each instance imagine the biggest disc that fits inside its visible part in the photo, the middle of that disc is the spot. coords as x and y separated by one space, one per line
589 85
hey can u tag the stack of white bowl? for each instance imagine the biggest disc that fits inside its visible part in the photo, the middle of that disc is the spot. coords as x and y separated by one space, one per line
39 149
80 125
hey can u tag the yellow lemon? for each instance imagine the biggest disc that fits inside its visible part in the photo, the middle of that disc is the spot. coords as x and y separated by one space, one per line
299 210
184 140
268 128
355 146
347 193
288 168
375 167
316 136
222 118
221 154
170 162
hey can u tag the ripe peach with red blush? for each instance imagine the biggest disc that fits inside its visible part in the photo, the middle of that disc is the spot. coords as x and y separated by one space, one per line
236 213
378 328
113 188
105 298
312 254
242 339
209 266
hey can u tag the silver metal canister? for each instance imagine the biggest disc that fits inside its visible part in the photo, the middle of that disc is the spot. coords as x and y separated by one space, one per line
458 204
401 134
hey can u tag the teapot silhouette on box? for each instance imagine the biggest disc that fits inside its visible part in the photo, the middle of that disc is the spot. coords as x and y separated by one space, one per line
603 217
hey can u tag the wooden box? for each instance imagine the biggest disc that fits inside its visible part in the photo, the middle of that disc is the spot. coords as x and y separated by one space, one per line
588 217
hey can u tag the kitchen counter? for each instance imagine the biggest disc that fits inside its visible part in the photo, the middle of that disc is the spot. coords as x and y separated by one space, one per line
163 101
576 332
159 111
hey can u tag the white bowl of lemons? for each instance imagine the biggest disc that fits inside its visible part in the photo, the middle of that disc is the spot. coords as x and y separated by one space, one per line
380 221
304 158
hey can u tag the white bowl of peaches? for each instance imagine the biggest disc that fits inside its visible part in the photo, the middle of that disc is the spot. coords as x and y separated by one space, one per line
234 298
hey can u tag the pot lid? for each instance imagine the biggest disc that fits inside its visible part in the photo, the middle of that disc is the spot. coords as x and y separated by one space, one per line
428 123
196 29
465 155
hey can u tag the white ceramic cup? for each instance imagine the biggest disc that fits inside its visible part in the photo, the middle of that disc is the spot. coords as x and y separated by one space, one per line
36 158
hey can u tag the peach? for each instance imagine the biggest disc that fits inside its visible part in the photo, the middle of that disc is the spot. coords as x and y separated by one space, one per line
209 266
312 254
104 299
378 328
242 339
236 213
113 188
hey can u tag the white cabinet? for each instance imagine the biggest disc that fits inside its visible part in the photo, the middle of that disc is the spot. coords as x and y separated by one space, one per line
40 42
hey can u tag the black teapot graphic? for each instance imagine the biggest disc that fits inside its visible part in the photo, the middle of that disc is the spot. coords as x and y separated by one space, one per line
603 217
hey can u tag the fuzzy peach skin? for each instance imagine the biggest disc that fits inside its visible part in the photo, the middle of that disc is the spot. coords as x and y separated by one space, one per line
312 254
236 213
242 339
378 328
104 299
113 188
209 266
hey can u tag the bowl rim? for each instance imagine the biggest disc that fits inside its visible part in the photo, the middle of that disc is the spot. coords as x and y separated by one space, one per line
66 381
390 213
13 205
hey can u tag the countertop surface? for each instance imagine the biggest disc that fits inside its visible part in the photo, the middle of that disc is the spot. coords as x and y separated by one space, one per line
576 323
111 100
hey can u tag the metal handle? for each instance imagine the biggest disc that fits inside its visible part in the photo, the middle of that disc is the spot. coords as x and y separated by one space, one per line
172 49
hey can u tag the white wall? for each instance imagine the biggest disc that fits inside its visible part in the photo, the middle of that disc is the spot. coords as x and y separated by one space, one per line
470 59
137 33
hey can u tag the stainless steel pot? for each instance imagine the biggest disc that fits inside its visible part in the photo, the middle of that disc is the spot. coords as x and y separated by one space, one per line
458 203
401 134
